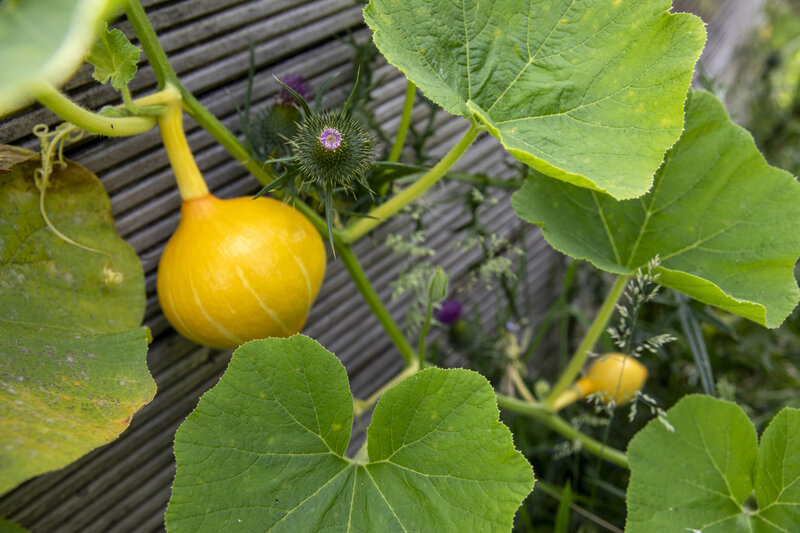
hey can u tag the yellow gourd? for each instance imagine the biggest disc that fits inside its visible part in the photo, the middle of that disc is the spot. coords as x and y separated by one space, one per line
238 269
613 377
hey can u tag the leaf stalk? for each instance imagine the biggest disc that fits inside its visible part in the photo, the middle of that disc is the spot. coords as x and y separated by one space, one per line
87 120
542 412
589 340
382 212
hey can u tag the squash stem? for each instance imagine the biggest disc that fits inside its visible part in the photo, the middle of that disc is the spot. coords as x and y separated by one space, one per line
190 182
568 397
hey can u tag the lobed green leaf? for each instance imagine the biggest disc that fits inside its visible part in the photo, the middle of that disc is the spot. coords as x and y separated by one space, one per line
114 58
264 451
700 476
588 91
723 221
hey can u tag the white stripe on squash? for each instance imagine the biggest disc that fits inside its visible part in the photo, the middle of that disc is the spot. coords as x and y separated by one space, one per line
210 320
305 275
271 312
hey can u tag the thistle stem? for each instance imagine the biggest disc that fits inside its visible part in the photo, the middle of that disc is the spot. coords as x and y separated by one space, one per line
589 340
379 214
71 112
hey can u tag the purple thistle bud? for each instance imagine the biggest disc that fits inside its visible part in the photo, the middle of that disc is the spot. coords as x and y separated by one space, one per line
298 84
449 312
330 139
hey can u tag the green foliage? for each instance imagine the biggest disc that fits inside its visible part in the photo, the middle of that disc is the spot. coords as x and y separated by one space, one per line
265 450
766 93
72 354
114 58
700 476
44 40
723 222
590 92
10 527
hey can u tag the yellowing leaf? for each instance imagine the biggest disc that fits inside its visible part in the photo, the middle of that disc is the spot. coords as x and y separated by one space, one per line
72 352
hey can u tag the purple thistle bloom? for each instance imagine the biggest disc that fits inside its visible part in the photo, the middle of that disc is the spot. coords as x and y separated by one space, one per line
298 84
330 139
449 312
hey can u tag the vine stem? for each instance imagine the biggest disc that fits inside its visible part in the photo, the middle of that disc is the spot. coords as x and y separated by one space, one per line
589 340
555 422
379 214
373 301
405 122
519 384
61 105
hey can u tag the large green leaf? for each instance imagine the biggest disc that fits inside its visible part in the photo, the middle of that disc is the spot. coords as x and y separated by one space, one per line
72 352
700 476
44 40
264 451
724 223
587 91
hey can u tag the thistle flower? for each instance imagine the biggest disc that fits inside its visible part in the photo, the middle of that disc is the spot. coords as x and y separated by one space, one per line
329 151
334 150
449 312
298 84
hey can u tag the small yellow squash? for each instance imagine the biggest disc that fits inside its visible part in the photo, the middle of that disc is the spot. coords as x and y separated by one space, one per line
234 270
239 269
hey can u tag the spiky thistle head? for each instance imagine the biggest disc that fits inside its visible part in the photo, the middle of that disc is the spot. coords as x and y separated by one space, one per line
333 150
271 129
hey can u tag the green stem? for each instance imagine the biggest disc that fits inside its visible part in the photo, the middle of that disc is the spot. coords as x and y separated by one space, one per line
149 41
373 301
379 214
519 384
405 121
68 110
555 422
589 340
424 333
